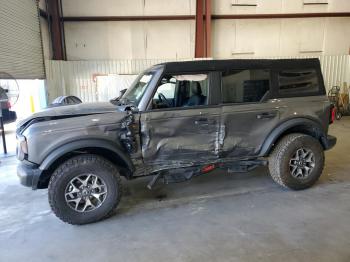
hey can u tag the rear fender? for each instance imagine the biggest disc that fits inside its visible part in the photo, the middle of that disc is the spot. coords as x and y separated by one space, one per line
302 125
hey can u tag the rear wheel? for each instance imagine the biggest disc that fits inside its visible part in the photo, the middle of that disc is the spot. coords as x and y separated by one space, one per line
84 189
297 161
338 115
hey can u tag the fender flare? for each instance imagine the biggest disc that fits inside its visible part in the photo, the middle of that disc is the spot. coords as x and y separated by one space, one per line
279 130
85 143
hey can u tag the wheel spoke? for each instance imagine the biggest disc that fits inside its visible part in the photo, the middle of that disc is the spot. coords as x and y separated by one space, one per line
294 169
76 201
95 184
74 190
85 192
87 204
98 195
302 163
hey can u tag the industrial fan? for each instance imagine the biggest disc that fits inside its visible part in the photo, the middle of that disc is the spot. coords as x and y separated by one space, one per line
9 93
9 89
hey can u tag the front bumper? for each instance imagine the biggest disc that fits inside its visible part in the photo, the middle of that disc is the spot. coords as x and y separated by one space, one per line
28 174
329 142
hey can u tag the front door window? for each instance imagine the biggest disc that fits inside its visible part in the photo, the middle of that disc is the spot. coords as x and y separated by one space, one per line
181 91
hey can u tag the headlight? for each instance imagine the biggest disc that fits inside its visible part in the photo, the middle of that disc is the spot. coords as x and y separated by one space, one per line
22 147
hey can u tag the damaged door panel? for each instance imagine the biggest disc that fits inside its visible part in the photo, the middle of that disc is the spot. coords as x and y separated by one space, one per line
245 128
180 136
247 114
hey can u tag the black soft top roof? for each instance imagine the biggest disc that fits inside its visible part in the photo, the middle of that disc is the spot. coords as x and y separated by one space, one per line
227 65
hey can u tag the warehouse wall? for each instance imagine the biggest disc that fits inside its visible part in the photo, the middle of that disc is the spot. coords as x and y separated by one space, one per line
281 37
231 38
278 6
80 78
129 40
128 7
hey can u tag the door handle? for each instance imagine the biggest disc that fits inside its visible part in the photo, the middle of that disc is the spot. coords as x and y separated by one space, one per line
266 115
201 121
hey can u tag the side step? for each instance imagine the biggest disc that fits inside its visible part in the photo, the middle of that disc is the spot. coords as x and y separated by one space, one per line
183 174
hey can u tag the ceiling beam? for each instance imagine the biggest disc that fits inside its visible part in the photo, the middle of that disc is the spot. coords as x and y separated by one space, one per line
193 17
286 15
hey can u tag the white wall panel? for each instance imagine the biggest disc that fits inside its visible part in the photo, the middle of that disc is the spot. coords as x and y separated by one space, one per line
128 7
278 6
166 39
129 40
105 40
281 37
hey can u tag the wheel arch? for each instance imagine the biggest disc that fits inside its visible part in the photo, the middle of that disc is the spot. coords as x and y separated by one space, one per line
99 147
296 125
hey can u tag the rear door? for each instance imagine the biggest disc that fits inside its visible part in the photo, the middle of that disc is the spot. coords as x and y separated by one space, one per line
174 133
248 115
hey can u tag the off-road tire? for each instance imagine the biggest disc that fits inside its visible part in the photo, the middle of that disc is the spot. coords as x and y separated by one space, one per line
86 163
338 115
283 152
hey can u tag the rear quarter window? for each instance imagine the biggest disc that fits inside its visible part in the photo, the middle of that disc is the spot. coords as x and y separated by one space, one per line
298 82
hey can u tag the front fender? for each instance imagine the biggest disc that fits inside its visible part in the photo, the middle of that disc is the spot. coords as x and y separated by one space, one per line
287 125
84 143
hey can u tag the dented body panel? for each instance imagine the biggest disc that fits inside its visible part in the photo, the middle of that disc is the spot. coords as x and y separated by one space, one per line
46 136
180 136
149 140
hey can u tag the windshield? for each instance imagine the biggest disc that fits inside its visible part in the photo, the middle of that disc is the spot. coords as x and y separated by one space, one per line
137 89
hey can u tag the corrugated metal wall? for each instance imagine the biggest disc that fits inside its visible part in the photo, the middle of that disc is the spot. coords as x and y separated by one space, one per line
21 52
79 77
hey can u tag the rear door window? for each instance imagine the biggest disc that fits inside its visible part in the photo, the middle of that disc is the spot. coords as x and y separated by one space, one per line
245 86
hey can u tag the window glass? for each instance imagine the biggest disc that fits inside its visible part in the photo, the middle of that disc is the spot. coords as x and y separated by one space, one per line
245 86
181 91
138 88
167 89
302 81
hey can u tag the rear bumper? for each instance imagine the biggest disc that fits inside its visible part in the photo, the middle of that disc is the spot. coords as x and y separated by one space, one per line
329 142
28 174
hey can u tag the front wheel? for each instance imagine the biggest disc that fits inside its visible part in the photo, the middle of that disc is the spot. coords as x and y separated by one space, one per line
84 189
297 161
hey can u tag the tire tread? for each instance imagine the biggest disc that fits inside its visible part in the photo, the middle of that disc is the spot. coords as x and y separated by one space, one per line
73 163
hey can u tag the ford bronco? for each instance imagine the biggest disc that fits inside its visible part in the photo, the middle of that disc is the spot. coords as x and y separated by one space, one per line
176 121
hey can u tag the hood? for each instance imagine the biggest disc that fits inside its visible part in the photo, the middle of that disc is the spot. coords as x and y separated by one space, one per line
78 109
70 111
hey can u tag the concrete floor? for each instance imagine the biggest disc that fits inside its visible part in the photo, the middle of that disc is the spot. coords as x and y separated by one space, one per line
216 217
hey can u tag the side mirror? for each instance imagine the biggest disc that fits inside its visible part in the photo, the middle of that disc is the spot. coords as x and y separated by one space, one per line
122 92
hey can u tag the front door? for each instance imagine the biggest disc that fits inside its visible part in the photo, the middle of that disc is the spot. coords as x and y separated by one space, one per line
181 126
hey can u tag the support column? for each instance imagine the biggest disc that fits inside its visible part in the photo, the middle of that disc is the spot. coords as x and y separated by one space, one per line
55 25
203 29
207 28
199 42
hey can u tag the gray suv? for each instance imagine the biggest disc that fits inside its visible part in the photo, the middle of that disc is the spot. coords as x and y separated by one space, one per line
179 120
